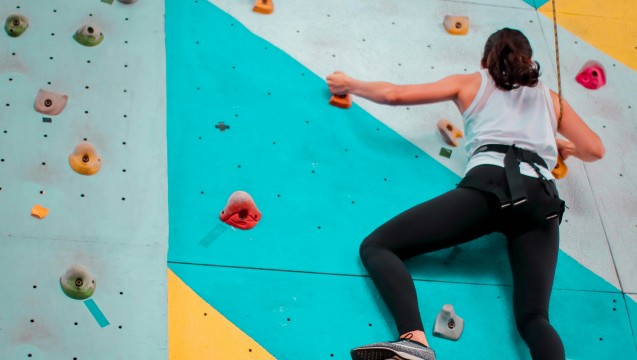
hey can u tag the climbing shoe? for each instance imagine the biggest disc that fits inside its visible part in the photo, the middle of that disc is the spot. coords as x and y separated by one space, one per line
403 349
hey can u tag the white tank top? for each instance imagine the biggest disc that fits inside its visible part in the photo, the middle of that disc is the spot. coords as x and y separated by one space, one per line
524 117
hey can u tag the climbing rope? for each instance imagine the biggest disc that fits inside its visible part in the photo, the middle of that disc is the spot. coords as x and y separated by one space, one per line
557 61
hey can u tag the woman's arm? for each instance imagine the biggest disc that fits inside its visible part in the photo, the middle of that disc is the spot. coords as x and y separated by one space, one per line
448 88
583 142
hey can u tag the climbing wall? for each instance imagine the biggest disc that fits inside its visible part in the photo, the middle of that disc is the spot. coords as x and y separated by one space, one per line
108 214
93 162
248 111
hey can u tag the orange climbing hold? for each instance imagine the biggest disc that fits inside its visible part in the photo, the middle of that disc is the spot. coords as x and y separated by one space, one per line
85 160
449 132
241 211
592 75
561 170
263 7
341 101
456 25
39 211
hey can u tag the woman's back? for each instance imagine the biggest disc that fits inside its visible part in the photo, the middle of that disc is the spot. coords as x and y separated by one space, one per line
522 116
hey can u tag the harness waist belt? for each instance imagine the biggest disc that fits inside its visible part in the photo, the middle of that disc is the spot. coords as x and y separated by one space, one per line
524 155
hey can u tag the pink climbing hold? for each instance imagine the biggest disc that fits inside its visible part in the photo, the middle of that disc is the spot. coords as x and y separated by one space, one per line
241 211
592 76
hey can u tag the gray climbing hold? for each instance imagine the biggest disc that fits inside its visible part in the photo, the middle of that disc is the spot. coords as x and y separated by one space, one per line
89 35
128 1
448 324
78 283
50 103
16 25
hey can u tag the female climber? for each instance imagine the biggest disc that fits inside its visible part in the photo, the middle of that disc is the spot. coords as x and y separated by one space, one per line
510 121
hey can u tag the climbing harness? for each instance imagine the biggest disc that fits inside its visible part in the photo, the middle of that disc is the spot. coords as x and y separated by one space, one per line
515 197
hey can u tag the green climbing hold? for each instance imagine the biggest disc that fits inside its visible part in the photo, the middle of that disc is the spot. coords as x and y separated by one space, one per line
89 35
16 25
445 152
78 283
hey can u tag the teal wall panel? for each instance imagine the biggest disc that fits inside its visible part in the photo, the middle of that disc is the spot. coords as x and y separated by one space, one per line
40 320
536 3
316 316
323 177
114 223
631 306
116 101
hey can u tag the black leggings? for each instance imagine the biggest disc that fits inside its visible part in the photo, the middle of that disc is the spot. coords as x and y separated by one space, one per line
459 216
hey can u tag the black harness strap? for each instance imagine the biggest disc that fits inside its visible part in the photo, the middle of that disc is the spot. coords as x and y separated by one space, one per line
512 158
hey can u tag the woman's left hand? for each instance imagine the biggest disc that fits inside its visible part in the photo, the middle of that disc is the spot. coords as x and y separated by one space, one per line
565 148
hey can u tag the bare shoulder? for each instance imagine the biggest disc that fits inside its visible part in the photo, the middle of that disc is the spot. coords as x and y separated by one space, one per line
469 87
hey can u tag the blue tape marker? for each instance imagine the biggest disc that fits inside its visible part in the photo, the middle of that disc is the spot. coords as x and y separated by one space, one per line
97 313
213 234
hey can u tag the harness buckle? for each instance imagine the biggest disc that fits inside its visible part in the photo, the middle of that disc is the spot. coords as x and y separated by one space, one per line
552 216
520 201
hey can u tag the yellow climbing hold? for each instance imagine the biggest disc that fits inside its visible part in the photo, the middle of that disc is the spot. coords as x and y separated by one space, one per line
85 160
197 330
449 132
561 170
456 25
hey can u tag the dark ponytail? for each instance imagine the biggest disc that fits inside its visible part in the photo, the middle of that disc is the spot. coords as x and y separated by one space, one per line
507 56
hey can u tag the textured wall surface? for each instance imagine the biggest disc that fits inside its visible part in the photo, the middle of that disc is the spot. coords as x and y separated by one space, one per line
324 177
114 223
189 101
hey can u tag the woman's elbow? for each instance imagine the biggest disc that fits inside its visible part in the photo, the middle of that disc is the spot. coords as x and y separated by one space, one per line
596 152
599 152
393 97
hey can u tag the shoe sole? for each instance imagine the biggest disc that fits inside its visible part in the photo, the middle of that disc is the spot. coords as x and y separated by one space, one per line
379 354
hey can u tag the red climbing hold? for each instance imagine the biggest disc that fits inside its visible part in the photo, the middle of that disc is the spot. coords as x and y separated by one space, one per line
592 76
241 211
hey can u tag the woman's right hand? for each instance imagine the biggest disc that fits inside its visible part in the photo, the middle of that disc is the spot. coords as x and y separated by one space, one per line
338 83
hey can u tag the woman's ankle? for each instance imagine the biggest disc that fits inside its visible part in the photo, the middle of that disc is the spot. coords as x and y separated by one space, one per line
416 335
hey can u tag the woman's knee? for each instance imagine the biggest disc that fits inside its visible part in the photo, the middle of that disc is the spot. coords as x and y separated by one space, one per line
371 246
528 317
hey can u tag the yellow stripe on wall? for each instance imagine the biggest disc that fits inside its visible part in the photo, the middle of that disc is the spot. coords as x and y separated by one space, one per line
609 25
197 331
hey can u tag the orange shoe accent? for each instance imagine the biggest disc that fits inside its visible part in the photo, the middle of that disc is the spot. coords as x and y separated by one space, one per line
341 101
85 160
449 132
263 7
456 25
561 170
39 211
